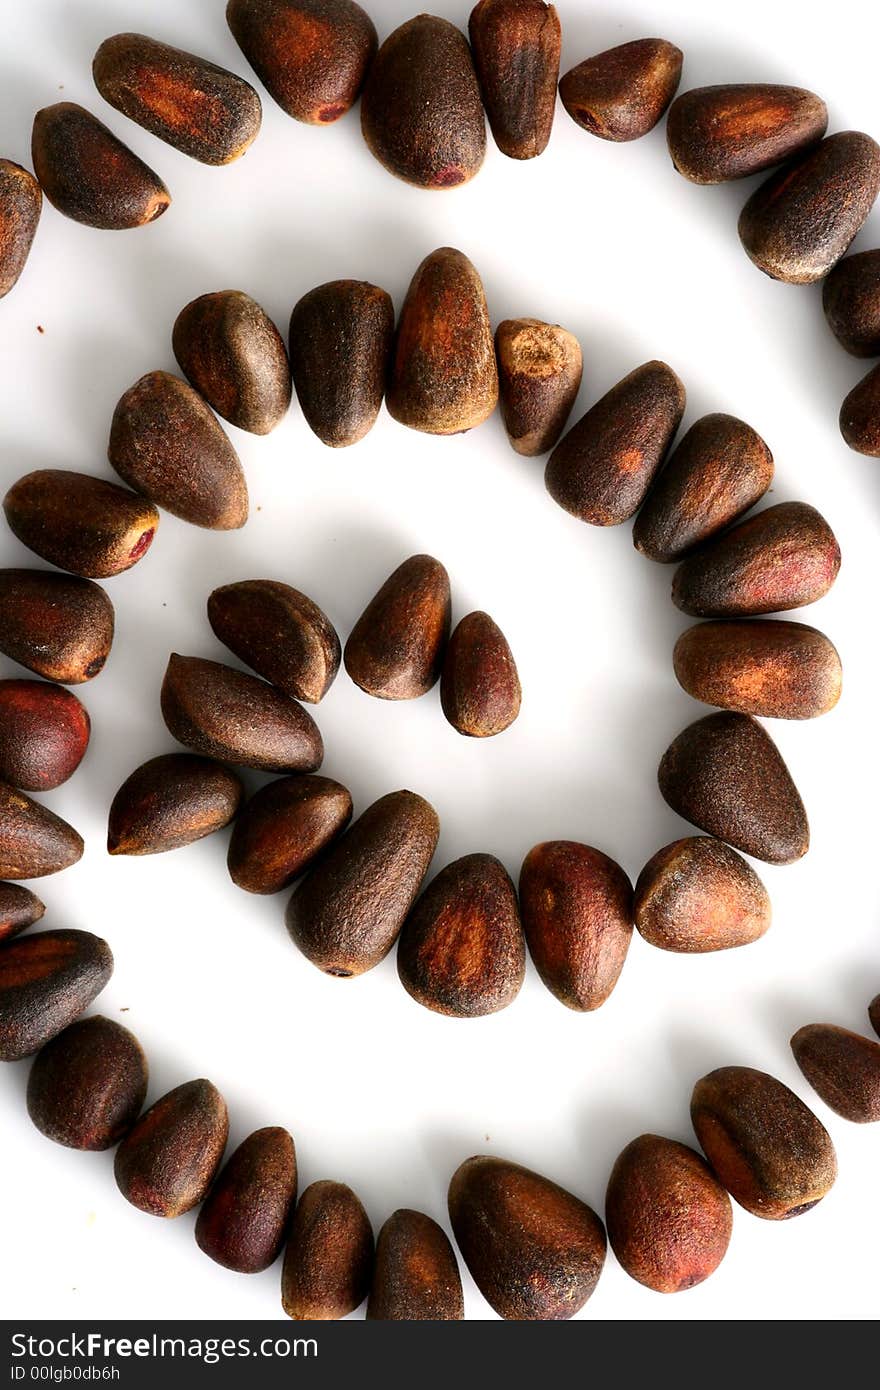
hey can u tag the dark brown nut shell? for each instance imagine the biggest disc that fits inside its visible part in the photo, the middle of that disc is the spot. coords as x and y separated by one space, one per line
311 55
231 352
80 523
726 775
799 223
698 894
166 1163
328 1263
669 1219
860 416
721 468
244 1219
44 733
396 647
851 300
621 94
601 470
87 1086
462 951
172 801
576 907
55 624
19 908
874 1014
731 131
784 557
199 108
764 1144
168 446
534 1250
347 913
47 979
33 840
479 686
421 112
280 633
21 202
416 1276
768 667
283 828
540 366
843 1068
90 175
444 377
227 714
341 336
516 46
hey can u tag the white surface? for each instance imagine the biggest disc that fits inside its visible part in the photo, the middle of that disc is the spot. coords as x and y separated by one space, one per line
377 1091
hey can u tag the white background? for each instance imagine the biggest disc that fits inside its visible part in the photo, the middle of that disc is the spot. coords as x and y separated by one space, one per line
377 1091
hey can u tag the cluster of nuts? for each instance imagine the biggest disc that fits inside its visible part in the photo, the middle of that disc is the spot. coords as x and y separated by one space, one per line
534 1250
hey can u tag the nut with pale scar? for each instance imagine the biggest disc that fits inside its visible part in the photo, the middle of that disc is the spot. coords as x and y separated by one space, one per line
444 376
341 336
784 557
725 774
396 648
622 94
280 633
90 175
283 828
312 56
47 979
698 895
19 909
733 130
244 1218
669 1219
80 523
516 46
601 470
798 224
534 1250
539 374
860 416
33 840
479 686
347 913
231 352
21 201
766 1147
416 1276
767 667
88 1085
57 625
843 1069
461 951
166 1163
577 914
851 300
171 801
196 106
421 112
328 1262
721 468
44 734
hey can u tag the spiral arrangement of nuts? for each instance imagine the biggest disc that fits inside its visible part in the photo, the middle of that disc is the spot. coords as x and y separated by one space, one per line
535 1250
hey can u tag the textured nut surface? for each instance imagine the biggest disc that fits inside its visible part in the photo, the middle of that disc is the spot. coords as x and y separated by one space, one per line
21 201
283 828
171 801
80 523
860 415
328 1262
341 336
416 1276
89 174
851 300
165 1164
346 914
44 734
733 130
479 686
697 894
199 108
773 668
516 46
19 909
540 366
843 1068
55 624
576 906
764 1144
33 840
534 1250
243 1221
88 1085
231 352
669 1219
622 93
47 979
280 633
724 774
395 650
